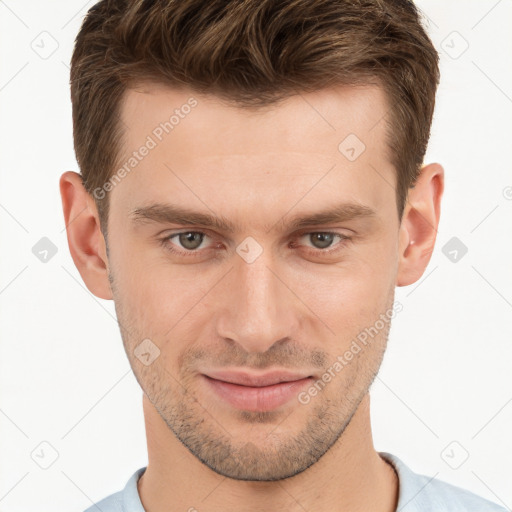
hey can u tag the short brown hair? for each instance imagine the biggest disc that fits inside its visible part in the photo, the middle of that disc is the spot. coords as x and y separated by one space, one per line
251 53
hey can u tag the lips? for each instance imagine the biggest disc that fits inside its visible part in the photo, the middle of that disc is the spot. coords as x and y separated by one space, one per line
257 393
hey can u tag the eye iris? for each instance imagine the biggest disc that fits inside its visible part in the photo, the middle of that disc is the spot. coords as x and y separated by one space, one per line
325 239
191 240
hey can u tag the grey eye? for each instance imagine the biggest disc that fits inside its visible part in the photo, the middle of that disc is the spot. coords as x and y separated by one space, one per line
190 240
322 240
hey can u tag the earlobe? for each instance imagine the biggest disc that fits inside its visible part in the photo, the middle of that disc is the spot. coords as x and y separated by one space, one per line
85 239
418 229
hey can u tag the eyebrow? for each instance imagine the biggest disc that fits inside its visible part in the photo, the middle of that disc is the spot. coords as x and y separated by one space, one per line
173 214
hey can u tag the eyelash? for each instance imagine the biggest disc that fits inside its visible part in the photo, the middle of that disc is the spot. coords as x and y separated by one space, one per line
165 242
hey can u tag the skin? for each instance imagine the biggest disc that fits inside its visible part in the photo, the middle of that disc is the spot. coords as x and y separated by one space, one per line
293 307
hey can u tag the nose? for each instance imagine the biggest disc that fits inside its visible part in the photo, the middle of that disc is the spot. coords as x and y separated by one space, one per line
258 307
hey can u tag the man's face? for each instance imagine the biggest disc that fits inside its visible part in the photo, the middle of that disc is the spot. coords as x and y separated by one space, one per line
288 298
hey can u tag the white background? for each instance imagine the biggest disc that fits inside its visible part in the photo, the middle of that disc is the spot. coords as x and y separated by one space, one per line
65 379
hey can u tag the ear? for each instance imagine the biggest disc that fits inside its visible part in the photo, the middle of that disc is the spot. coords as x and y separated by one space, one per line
85 239
418 228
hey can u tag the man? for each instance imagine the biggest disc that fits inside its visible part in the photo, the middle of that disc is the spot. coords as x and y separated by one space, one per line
251 193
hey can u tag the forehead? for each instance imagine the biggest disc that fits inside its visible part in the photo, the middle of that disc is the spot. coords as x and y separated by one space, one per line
330 142
302 120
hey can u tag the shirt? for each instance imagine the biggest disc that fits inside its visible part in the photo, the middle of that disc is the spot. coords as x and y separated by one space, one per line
416 493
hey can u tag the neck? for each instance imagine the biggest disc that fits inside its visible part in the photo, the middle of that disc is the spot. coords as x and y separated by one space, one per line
350 476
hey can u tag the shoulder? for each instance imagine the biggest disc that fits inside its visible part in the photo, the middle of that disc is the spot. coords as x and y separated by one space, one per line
112 503
127 500
428 494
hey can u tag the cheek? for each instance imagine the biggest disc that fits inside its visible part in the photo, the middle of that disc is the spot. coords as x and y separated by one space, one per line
160 300
350 296
139 290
